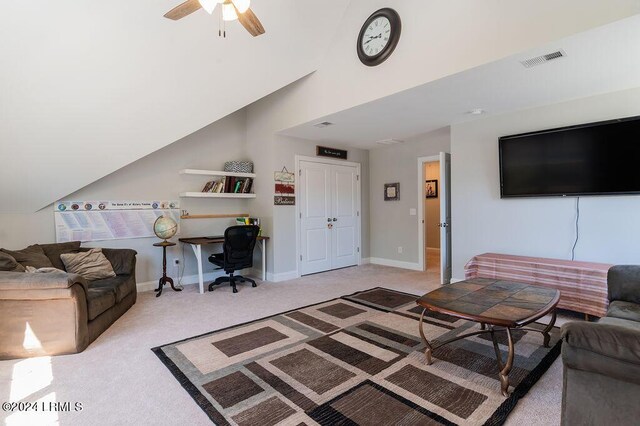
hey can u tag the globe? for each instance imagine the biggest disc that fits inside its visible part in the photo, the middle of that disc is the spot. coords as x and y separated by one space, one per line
164 227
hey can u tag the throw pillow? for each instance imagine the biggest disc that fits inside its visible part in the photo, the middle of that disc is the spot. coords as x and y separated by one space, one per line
8 263
92 264
30 256
53 251
32 270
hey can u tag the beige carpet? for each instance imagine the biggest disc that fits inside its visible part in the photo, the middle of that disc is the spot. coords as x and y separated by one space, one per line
119 380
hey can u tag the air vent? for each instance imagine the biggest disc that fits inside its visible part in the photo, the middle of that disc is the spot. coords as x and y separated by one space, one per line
323 124
389 141
539 60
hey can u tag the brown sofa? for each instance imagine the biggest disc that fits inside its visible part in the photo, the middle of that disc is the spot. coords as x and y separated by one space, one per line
60 313
602 360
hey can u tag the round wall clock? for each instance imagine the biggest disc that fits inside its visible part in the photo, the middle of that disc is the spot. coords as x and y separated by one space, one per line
379 36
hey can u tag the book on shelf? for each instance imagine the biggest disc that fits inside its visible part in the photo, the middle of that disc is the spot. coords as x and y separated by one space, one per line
208 186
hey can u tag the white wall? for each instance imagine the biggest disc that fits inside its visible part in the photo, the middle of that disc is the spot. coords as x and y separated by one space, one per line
439 38
482 222
151 178
391 224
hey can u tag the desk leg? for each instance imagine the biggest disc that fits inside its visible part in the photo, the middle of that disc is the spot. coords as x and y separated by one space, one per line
264 260
197 250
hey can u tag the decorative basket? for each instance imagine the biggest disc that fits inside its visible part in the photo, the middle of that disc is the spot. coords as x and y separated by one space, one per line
238 166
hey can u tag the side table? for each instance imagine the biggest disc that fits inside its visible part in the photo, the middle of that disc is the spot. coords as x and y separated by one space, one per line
165 279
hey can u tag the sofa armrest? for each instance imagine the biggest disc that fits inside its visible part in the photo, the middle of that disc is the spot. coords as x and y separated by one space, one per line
123 261
611 348
623 283
39 281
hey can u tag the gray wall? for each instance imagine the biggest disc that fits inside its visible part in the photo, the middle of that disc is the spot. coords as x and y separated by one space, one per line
391 224
482 222
151 178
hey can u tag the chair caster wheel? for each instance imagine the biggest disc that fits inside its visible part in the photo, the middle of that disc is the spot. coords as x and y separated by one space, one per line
210 288
254 285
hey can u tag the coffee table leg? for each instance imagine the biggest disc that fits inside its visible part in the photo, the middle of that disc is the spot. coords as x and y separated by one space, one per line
545 332
504 373
428 350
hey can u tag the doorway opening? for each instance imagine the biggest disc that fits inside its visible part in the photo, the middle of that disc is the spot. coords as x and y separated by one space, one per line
431 200
434 215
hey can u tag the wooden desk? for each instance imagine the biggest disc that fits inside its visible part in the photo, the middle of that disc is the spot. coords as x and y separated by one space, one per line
196 244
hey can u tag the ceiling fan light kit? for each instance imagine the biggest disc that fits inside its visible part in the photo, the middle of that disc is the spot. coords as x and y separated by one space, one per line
230 10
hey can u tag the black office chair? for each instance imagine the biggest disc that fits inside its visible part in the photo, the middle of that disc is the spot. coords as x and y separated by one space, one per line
239 242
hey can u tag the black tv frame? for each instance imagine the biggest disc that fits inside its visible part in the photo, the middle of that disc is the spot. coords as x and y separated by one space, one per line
557 130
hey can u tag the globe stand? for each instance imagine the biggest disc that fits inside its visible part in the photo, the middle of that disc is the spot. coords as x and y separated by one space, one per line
165 279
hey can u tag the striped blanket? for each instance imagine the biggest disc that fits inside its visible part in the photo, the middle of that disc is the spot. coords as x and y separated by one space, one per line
582 285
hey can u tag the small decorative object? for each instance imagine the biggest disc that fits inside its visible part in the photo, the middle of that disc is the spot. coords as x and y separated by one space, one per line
378 37
431 188
284 176
323 151
285 188
392 191
238 166
284 200
164 227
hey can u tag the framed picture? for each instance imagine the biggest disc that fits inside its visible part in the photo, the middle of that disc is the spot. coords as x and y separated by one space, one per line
431 188
392 191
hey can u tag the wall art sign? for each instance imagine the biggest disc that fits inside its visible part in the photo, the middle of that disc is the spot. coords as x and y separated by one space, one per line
324 151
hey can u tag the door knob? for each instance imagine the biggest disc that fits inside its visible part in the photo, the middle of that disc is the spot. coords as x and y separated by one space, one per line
328 219
335 220
330 226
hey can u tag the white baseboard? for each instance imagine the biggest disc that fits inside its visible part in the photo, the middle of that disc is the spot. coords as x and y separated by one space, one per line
282 276
365 260
455 280
395 263
193 279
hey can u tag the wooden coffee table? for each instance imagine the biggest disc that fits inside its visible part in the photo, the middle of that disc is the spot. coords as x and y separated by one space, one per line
492 303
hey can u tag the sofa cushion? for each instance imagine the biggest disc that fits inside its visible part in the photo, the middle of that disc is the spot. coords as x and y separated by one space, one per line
624 310
30 256
120 285
99 300
92 265
9 264
53 251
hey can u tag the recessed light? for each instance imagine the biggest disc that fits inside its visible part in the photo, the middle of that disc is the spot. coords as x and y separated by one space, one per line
476 111
323 124
389 141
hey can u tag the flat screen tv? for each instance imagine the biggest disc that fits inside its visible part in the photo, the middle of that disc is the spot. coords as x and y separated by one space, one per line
589 159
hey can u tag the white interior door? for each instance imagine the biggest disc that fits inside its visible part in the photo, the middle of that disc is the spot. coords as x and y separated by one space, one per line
329 216
445 217
344 181
315 216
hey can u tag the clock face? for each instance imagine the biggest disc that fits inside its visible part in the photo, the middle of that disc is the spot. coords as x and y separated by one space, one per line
376 36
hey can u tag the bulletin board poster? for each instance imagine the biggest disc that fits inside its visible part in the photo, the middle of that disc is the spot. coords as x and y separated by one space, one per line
110 220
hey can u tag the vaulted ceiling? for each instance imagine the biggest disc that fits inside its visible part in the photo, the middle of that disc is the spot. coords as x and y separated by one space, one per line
87 87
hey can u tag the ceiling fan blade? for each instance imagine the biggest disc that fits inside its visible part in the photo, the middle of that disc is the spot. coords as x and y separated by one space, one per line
183 9
250 21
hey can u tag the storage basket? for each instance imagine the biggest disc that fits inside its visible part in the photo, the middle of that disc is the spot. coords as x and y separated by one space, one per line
238 166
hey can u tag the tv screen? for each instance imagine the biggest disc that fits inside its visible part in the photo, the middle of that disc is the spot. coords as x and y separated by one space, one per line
590 159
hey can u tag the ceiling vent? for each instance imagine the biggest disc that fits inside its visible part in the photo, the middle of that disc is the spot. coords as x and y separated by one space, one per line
539 60
323 124
389 141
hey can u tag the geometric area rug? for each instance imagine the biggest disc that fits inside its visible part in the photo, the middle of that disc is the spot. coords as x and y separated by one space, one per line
355 360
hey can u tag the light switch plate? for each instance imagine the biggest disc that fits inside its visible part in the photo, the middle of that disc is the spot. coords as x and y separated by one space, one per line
412 212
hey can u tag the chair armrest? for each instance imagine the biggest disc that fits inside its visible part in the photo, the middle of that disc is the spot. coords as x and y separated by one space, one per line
623 283
611 349
123 261
39 281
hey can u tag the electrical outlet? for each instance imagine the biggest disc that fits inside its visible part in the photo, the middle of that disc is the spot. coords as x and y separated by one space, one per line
176 262
400 250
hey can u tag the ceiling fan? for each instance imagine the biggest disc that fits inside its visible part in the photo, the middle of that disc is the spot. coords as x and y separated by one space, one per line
230 11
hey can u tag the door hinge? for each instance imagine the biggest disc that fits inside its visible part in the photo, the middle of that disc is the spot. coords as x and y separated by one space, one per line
358 213
357 177
358 249
301 257
300 215
300 172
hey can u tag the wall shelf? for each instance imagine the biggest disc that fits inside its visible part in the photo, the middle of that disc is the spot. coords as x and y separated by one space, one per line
215 173
215 195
